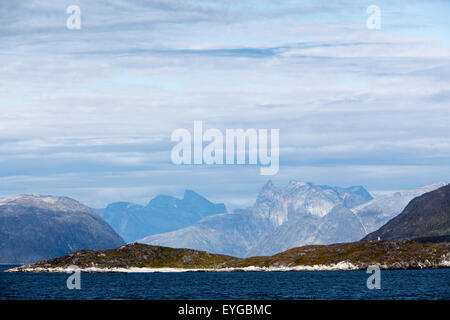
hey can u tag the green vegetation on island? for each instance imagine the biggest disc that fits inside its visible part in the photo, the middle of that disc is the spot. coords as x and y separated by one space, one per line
398 254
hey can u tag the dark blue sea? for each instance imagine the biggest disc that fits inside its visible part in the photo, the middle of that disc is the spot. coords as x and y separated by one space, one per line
395 284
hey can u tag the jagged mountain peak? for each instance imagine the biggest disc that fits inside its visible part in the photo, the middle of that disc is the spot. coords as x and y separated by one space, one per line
188 193
268 185
165 200
122 205
267 193
192 196
300 197
163 213
298 184
161 201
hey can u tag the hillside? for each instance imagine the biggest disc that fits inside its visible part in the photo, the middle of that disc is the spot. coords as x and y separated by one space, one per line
35 227
400 254
425 216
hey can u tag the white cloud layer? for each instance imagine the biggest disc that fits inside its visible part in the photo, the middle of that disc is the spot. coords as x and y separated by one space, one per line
88 113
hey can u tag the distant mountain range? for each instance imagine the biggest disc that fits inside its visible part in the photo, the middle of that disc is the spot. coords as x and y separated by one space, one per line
425 216
161 214
300 214
419 237
34 228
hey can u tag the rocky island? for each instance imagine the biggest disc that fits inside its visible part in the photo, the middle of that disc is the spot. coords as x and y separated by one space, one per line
136 257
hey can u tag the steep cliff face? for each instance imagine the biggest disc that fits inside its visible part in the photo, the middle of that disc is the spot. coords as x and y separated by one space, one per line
305 198
34 228
425 216
338 225
302 213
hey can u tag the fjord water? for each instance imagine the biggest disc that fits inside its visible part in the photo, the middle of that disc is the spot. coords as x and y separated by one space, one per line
395 284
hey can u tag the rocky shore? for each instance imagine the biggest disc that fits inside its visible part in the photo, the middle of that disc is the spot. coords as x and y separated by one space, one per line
136 257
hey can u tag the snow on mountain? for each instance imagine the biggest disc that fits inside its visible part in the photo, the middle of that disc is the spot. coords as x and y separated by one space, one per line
45 202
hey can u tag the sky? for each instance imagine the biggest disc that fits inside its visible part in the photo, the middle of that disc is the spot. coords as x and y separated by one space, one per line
89 113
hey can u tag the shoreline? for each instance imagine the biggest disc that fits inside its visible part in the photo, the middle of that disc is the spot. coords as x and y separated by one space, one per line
140 258
341 266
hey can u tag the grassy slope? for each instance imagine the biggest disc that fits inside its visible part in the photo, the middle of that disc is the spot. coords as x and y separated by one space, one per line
402 253
395 254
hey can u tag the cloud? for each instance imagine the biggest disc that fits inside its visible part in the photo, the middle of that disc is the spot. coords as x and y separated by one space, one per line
95 108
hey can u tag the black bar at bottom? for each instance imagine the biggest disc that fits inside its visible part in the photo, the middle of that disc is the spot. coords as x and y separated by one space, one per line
221 309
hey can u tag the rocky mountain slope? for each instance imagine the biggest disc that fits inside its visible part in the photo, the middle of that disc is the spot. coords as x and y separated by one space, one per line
34 227
231 233
377 212
400 254
280 219
339 225
161 214
425 216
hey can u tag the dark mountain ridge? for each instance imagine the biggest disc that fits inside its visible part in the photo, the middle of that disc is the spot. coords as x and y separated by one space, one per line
35 227
425 216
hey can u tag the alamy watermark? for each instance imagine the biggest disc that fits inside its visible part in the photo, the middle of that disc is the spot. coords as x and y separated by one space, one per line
373 22
374 281
73 281
73 22
237 146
